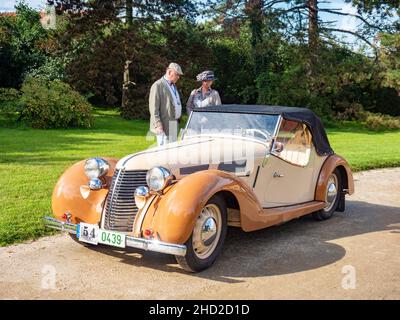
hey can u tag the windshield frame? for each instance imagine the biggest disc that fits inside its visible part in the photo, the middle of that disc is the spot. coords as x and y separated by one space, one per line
269 142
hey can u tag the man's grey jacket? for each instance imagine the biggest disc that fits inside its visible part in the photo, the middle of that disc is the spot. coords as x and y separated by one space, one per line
162 108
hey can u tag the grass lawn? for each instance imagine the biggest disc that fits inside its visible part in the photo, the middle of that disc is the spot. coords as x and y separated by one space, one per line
31 161
365 149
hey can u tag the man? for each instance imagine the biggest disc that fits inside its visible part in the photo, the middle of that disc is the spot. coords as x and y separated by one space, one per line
165 105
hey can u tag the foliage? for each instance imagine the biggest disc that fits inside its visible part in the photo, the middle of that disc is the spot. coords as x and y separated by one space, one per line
20 51
102 38
233 69
53 104
390 60
260 52
10 105
52 68
381 122
372 121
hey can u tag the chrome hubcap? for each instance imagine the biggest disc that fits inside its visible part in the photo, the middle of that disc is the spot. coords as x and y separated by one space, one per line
207 231
331 192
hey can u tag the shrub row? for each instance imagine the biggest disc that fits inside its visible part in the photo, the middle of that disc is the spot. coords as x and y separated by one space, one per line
10 104
45 104
381 122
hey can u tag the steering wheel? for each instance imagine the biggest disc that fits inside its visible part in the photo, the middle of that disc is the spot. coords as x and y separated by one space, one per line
265 134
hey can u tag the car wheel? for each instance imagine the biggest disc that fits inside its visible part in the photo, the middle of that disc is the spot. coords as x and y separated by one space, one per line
207 238
332 197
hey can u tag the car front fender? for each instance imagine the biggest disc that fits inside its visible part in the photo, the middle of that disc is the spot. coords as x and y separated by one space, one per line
172 216
68 197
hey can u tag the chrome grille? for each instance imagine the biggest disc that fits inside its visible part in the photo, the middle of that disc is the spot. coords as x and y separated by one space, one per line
120 210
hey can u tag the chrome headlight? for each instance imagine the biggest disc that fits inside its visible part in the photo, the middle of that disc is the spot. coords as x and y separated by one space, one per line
158 178
96 168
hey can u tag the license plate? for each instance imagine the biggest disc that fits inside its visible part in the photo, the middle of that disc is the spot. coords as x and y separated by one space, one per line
88 233
91 233
112 238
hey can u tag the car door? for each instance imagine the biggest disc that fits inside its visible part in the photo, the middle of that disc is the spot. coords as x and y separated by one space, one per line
287 174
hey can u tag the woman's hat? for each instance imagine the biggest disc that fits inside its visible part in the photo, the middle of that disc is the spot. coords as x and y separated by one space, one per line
206 76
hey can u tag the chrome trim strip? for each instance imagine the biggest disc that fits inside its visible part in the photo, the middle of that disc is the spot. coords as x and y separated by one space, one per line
103 219
255 179
186 126
278 125
294 204
139 243
115 185
155 245
60 225
277 128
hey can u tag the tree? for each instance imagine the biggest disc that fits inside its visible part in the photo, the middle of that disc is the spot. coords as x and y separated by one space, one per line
263 51
390 60
120 37
20 50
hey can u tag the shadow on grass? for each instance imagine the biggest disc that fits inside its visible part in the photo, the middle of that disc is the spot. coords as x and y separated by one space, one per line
296 246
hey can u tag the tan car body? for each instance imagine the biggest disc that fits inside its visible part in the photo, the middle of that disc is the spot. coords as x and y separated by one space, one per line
171 214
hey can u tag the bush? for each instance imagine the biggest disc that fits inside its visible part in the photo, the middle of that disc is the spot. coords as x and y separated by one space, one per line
137 105
53 104
381 122
353 111
10 105
52 68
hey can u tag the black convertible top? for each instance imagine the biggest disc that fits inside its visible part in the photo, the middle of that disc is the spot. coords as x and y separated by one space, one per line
303 115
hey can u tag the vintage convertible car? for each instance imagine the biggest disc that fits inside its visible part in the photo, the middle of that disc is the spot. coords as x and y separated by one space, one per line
245 166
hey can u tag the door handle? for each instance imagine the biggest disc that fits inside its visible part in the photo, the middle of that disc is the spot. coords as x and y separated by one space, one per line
277 175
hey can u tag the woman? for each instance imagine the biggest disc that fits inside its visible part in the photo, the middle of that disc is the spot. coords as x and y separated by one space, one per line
203 96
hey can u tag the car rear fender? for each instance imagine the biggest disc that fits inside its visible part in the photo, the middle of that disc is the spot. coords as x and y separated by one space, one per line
331 163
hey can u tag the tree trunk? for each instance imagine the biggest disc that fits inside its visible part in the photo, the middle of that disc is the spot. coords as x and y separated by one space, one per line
126 76
125 85
129 14
254 12
313 36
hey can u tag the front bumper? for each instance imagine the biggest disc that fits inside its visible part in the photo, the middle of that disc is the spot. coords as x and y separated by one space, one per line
140 243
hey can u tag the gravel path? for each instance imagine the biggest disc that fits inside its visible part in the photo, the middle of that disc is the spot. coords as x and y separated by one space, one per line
354 255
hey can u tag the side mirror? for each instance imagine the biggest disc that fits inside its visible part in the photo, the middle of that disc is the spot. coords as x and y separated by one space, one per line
278 147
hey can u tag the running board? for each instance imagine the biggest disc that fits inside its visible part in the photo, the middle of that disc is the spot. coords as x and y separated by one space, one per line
274 216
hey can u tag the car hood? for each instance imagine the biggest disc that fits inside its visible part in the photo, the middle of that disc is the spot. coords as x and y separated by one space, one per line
232 154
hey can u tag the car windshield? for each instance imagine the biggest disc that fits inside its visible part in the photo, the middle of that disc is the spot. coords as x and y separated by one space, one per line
257 126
